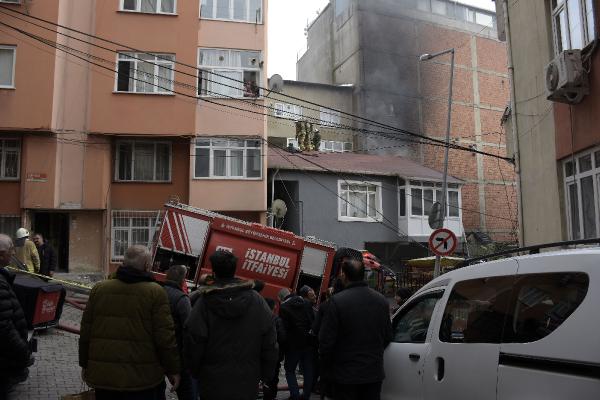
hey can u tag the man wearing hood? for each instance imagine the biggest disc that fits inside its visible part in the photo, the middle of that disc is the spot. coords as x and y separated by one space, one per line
127 342
229 340
15 356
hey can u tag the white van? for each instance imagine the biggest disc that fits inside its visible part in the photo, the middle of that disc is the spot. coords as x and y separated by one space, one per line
518 328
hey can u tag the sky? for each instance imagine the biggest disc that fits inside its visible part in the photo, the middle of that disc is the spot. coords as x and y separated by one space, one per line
287 21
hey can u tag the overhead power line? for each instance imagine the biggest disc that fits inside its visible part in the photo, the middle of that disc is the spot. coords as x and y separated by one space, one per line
373 123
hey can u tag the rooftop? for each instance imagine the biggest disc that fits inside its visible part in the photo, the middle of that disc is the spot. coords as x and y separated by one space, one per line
354 163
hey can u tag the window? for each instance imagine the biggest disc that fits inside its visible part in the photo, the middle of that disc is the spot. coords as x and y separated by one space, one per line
7 66
150 6
476 311
438 7
145 73
329 117
426 193
543 302
232 10
359 201
288 111
10 159
228 159
229 73
131 228
9 224
341 6
412 323
144 161
582 194
293 142
333 146
572 24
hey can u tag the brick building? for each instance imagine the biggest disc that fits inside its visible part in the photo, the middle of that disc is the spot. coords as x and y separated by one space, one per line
90 153
375 46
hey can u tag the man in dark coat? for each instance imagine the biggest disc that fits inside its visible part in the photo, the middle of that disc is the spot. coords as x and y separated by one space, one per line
298 316
180 310
15 355
46 253
229 340
354 333
270 388
127 342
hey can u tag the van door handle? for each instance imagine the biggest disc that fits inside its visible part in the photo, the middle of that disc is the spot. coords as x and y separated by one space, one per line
414 356
440 368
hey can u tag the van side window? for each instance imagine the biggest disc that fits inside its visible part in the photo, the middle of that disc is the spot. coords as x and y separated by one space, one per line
411 324
543 302
477 310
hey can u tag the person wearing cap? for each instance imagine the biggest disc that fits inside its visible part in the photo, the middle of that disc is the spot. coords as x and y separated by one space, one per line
26 253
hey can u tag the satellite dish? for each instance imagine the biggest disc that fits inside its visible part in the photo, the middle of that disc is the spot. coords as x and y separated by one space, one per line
436 219
279 209
276 83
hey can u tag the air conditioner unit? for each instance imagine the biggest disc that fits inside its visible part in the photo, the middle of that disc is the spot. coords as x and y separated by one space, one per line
566 79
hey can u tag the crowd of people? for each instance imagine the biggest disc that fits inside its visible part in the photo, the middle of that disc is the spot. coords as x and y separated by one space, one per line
223 341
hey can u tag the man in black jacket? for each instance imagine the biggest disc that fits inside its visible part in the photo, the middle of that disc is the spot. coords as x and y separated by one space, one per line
229 340
354 333
15 355
298 316
180 311
46 253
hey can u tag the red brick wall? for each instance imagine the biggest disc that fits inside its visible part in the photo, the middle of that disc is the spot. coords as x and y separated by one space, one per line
500 207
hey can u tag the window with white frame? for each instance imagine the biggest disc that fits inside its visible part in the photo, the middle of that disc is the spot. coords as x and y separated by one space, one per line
150 6
232 10
359 201
582 192
7 66
334 146
424 194
572 24
140 160
228 159
10 159
130 228
145 73
288 111
229 73
329 117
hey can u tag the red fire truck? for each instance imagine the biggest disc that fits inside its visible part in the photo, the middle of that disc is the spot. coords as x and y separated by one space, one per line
189 235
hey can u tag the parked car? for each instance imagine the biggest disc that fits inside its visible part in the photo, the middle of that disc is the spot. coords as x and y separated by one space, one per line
518 328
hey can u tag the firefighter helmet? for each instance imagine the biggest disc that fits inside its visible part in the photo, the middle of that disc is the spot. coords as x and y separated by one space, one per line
22 233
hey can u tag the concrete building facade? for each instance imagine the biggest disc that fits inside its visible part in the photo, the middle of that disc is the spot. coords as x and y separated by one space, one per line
94 140
375 46
556 144
319 104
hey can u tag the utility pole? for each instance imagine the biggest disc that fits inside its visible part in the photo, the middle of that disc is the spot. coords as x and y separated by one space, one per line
425 57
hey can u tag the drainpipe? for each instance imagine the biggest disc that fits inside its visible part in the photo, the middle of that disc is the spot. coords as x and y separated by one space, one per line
514 126
273 196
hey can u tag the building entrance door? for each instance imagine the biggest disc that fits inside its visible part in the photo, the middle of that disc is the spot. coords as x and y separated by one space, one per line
54 226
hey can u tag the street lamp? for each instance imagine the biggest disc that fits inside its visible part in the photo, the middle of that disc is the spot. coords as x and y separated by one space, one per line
427 57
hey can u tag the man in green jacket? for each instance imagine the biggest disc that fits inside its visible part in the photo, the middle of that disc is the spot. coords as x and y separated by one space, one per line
127 343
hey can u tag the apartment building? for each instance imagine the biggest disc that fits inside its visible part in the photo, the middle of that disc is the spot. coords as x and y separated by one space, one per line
554 129
375 46
94 140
